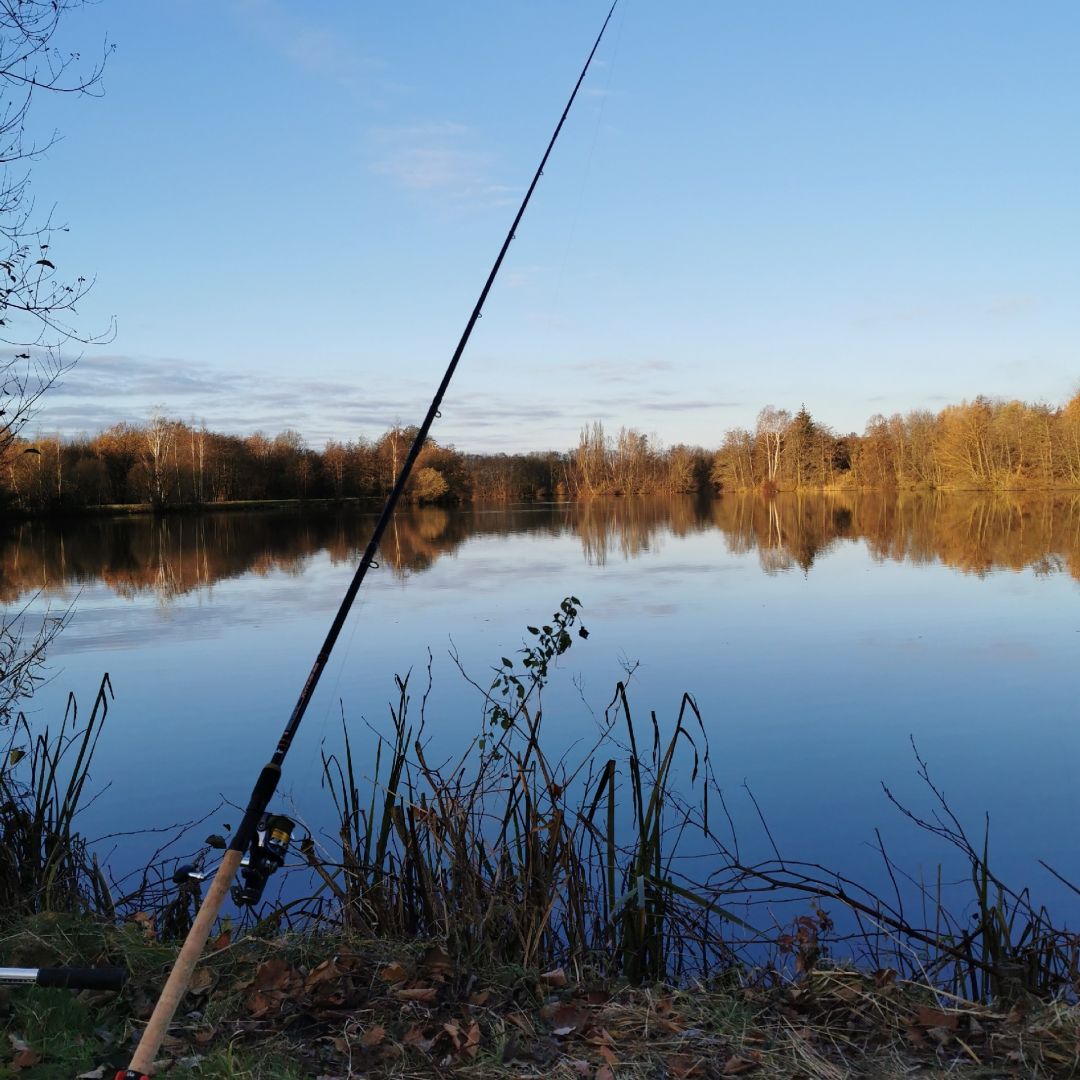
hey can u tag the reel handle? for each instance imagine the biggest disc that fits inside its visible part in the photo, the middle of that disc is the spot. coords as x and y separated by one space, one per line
107 978
68 978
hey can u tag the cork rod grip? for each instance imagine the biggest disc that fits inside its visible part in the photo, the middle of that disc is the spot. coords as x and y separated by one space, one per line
180 976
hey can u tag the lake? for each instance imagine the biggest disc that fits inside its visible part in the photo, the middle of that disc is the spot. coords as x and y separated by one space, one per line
818 635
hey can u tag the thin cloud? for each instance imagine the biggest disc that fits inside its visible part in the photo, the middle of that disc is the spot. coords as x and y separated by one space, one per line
438 159
687 406
305 44
620 371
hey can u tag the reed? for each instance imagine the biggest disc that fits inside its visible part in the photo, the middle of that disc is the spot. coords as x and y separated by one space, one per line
512 857
45 864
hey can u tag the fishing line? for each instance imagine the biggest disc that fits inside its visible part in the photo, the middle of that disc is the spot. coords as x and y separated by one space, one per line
266 837
572 235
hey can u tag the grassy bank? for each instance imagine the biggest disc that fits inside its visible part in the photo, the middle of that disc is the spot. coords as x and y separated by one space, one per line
290 1006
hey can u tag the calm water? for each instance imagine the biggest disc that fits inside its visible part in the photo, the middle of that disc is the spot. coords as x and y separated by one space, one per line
818 636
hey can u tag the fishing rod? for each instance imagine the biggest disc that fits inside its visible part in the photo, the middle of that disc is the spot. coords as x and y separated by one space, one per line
265 837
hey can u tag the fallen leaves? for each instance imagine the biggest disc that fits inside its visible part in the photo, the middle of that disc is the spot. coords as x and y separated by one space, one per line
25 1055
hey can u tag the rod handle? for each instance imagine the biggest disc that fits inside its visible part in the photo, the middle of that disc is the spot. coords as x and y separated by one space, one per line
142 1063
74 978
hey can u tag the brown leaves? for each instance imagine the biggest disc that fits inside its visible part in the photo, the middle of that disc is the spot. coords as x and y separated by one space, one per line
738 1064
25 1055
145 921
373 1036
276 982
566 1019
556 978
202 979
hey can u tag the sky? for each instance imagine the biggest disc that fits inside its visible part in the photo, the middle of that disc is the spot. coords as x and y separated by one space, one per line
290 210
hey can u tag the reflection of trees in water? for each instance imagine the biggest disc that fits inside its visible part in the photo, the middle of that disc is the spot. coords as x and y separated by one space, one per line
633 526
973 534
171 556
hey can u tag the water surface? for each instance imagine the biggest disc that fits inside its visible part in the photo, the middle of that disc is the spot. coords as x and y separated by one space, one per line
819 636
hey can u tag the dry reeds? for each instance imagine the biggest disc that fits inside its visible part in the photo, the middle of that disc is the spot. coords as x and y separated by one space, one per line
44 861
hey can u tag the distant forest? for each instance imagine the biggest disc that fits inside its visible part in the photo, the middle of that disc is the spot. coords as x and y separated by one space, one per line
979 445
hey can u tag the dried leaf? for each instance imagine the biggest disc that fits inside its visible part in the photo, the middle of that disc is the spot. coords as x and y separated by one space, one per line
566 1018
472 1040
373 1036
738 1064
520 1021
556 977
274 974
605 1073
145 921
202 979
24 1059
323 972
259 1004
928 1017
417 993
437 959
684 1065
393 973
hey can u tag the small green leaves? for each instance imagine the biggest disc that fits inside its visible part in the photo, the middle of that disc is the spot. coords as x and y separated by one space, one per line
553 640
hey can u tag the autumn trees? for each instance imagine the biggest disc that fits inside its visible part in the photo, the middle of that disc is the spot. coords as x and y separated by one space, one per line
983 444
783 451
631 463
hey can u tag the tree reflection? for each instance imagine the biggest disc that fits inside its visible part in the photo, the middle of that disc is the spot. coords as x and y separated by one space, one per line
172 556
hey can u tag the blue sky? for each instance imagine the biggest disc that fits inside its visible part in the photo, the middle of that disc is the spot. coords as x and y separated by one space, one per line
290 209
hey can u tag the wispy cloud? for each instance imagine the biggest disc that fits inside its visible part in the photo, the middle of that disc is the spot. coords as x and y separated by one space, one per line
101 391
688 406
105 390
438 158
306 44
621 371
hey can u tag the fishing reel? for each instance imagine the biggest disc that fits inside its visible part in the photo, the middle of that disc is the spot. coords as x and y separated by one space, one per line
268 850
269 847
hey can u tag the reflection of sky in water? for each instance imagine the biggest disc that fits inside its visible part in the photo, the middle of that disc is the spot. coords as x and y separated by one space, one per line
810 684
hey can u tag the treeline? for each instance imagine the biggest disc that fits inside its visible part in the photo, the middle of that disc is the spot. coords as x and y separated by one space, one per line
977 445
169 463
981 445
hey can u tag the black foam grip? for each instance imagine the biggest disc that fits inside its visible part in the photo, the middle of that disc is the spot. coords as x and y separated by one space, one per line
73 978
